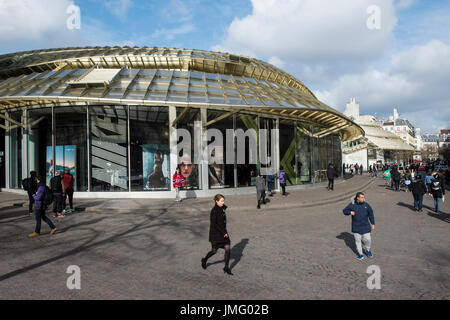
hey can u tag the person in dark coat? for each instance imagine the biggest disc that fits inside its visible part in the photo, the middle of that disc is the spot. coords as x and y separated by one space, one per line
363 222
418 190
218 234
396 178
260 191
39 208
30 185
331 174
437 191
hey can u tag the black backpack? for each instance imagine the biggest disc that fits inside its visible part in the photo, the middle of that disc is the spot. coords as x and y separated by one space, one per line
26 184
55 183
436 185
48 197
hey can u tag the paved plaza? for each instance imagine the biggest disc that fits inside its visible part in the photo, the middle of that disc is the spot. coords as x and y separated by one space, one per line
295 247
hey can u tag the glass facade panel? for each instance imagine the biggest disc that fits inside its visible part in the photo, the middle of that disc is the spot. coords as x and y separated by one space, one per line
287 149
149 149
15 152
109 148
303 154
40 146
221 174
71 144
189 169
247 165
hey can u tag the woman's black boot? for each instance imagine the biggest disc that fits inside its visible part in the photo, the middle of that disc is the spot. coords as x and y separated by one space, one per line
203 263
227 270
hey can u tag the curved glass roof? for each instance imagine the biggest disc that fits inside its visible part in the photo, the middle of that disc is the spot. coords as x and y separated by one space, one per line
161 76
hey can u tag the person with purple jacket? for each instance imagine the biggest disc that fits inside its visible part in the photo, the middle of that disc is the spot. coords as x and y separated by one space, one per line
283 177
39 209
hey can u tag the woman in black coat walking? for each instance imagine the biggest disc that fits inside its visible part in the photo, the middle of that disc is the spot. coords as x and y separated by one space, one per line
218 234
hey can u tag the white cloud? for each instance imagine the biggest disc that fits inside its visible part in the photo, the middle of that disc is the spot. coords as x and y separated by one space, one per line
118 7
31 19
311 30
417 83
170 34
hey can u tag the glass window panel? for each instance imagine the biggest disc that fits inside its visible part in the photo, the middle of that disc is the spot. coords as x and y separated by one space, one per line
195 98
233 100
115 94
165 73
220 173
71 150
149 149
179 88
246 171
159 87
109 149
180 80
181 74
197 75
211 76
215 90
136 95
197 89
197 81
216 99
15 153
176 96
94 93
189 169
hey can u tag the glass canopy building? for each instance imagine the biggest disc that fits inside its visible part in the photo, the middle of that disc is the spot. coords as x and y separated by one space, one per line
111 114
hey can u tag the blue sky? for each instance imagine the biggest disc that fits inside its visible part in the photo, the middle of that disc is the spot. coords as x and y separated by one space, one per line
325 44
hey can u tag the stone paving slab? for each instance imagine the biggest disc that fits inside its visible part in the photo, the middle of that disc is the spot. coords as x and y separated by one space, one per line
300 253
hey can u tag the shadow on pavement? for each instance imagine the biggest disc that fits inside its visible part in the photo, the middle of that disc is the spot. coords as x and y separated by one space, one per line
349 240
441 216
235 254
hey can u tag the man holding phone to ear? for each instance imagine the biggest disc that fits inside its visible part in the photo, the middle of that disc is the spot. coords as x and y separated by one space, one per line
363 222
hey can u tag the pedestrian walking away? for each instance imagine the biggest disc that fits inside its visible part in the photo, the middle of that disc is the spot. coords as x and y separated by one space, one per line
395 175
418 190
40 207
218 234
331 174
283 177
260 191
57 187
270 182
437 192
178 183
30 186
68 185
363 222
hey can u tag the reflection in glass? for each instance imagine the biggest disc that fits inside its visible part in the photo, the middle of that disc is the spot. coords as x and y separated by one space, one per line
109 152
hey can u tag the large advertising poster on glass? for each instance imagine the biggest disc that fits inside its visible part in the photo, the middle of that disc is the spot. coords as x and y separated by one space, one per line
156 167
65 159
216 171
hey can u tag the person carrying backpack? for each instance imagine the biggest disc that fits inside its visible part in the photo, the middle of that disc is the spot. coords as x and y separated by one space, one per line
58 189
437 192
39 208
30 186
283 177
68 185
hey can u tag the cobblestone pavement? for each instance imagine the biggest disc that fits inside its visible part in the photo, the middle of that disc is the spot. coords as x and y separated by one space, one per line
298 247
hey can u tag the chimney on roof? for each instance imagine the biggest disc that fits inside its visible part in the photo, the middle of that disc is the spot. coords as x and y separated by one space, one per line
352 109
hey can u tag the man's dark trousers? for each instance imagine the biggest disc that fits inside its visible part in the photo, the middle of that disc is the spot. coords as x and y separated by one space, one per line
69 193
30 202
40 214
331 184
57 203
